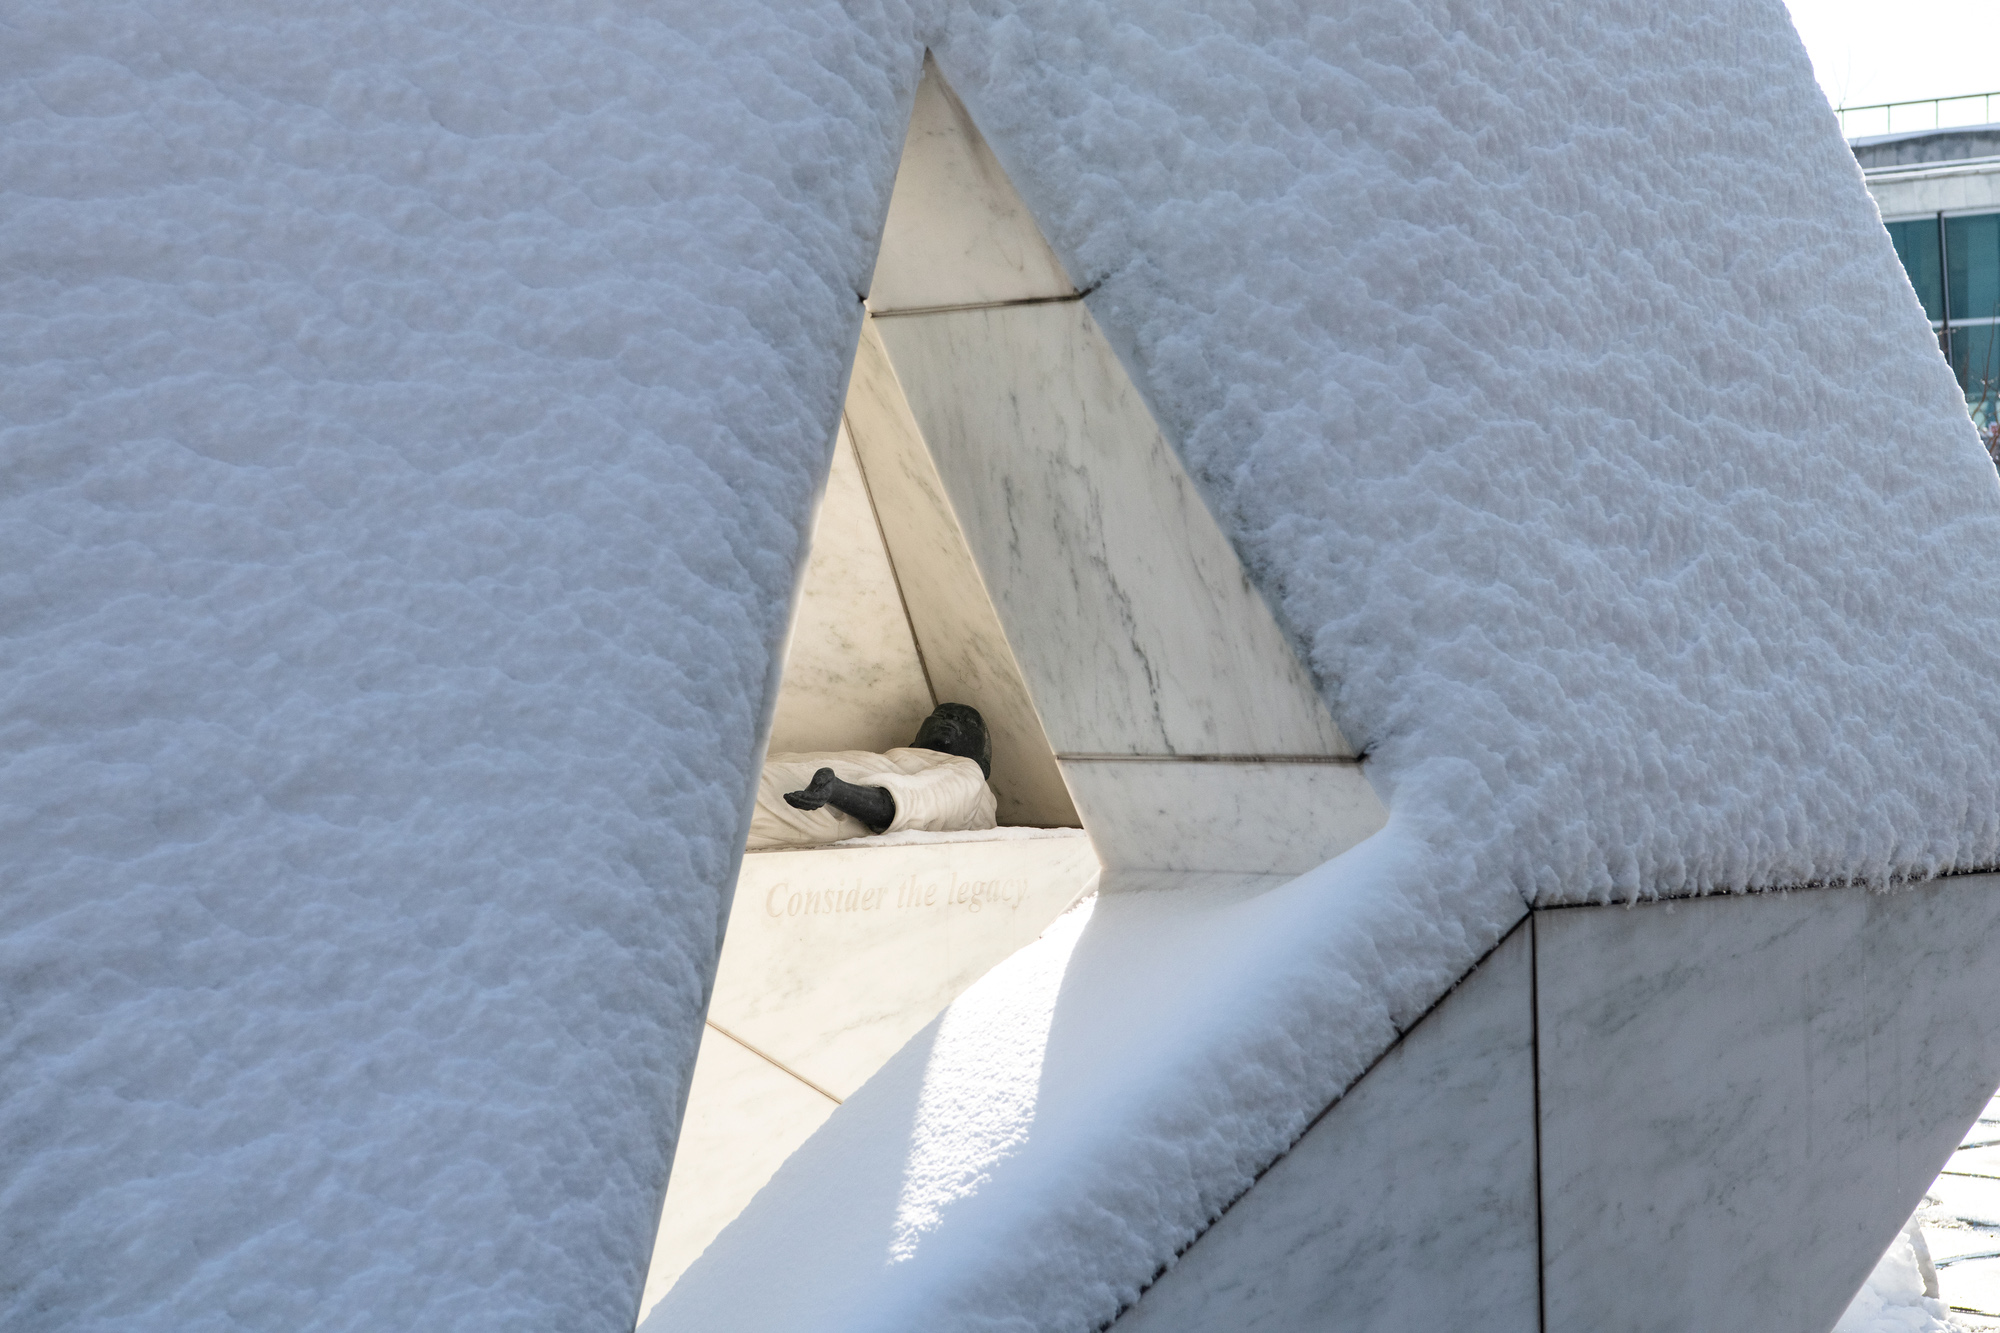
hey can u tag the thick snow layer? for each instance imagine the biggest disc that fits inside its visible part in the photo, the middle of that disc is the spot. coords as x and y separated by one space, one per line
1561 389
411 416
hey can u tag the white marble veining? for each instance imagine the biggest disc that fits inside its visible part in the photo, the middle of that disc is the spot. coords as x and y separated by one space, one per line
1130 614
745 1116
1410 1205
957 234
834 957
1744 1097
957 629
852 677
1259 818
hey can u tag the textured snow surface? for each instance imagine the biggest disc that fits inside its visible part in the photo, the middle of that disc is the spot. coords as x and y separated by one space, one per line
411 414
1558 384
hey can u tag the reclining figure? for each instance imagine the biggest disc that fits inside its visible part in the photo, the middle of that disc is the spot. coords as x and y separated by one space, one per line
937 784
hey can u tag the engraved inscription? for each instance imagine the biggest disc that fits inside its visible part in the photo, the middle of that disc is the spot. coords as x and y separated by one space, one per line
944 891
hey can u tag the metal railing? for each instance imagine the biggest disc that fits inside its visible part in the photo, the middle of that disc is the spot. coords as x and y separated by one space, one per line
1883 117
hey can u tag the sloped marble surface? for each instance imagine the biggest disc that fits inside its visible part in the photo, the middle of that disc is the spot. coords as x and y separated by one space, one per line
1409 1206
957 630
1251 817
1132 619
745 1116
852 678
836 956
1743 1098
957 233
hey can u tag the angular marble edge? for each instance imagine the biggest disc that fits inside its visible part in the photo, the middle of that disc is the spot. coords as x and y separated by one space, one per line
1743 1096
965 649
1130 613
1409 1203
957 232
1247 817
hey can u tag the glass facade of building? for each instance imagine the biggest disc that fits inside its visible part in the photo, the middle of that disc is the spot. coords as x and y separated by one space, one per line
1954 263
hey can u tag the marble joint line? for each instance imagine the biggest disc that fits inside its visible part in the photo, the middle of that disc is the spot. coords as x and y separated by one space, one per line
1402 1034
985 305
772 1061
1702 1113
1337 759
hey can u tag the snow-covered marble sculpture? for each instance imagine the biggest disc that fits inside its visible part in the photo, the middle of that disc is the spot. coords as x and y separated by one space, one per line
412 422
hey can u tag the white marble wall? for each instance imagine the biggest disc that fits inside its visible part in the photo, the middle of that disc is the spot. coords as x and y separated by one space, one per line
957 234
834 957
1409 1206
958 632
1724 1109
745 1116
1744 1097
996 403
1128 615
1258 818
1131 615
853 679
1132 621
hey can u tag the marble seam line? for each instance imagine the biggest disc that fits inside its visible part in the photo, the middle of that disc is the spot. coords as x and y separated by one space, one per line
1348 760
1535 1083
985 305
772 1061
1401 1034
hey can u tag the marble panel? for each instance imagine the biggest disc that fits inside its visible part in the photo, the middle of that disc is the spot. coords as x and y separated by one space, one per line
745 1116
957 629
1128 611
852 680
836 956
1744 1097
1410 1205
957 233
1263 818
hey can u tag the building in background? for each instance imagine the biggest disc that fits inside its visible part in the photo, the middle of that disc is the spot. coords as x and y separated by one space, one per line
1939 192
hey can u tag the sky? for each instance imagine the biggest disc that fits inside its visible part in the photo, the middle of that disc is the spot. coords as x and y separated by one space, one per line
1892 50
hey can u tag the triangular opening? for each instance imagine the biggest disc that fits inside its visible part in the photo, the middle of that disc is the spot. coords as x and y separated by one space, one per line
1003 525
